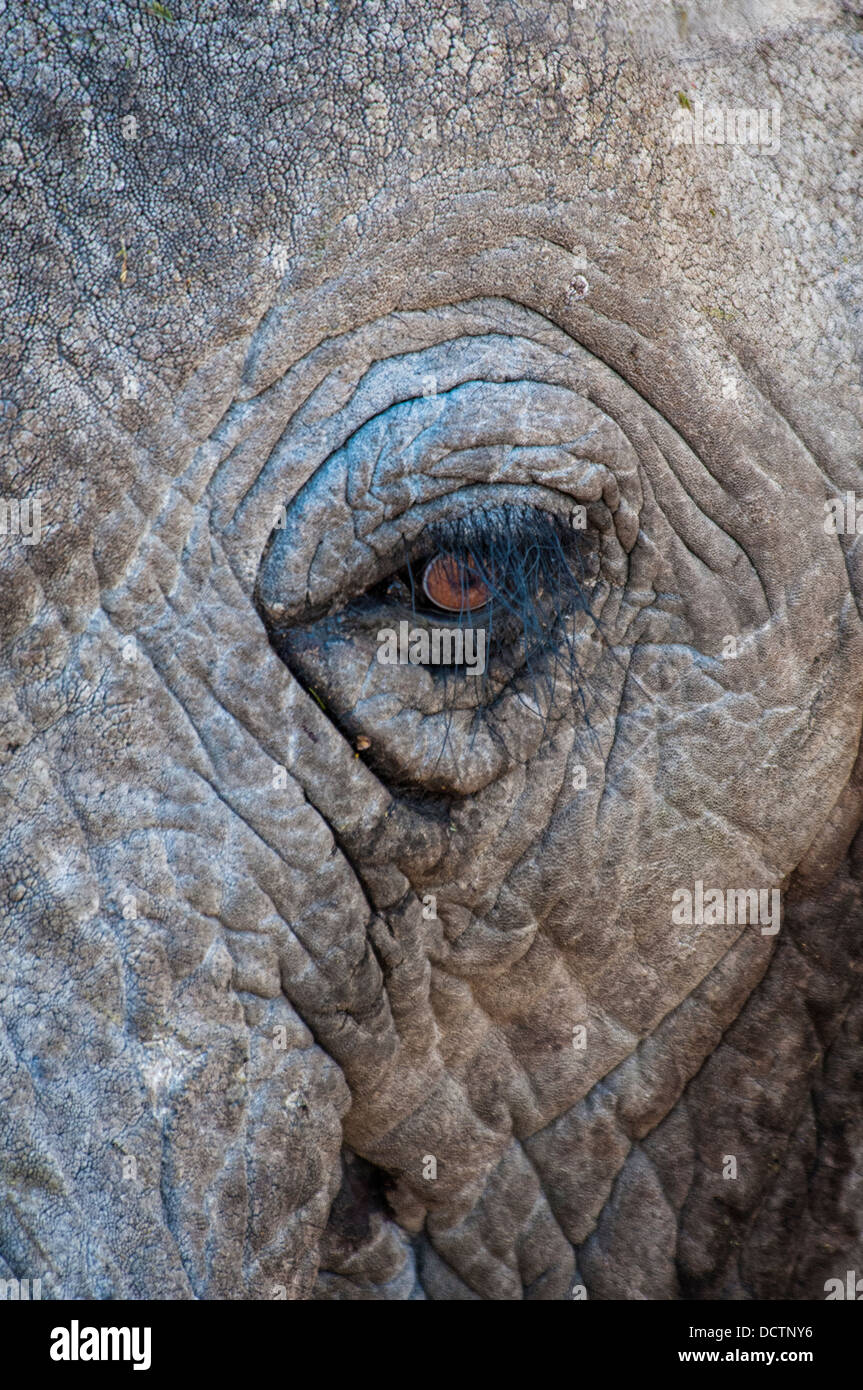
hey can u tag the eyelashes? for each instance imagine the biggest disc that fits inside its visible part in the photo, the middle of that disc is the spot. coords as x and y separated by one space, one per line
518 572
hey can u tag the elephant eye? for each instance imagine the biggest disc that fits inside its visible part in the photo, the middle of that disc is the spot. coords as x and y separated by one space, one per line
517 571
467 628
455 583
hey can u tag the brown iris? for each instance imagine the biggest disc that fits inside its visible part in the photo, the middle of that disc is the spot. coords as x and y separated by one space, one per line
454 584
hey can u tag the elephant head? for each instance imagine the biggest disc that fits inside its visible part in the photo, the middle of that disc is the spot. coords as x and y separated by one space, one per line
330 977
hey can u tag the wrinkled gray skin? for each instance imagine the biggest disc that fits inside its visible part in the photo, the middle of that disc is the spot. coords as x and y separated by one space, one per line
214 955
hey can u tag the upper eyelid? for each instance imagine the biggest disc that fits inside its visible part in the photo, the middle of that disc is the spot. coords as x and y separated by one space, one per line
538 438
311 426
308 568
484 524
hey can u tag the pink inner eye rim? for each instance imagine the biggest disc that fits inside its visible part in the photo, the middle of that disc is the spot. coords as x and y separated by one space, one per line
453 584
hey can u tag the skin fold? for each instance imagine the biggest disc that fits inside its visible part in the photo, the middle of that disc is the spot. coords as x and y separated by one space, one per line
312 984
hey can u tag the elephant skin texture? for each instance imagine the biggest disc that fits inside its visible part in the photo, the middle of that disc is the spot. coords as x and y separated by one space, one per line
322 978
